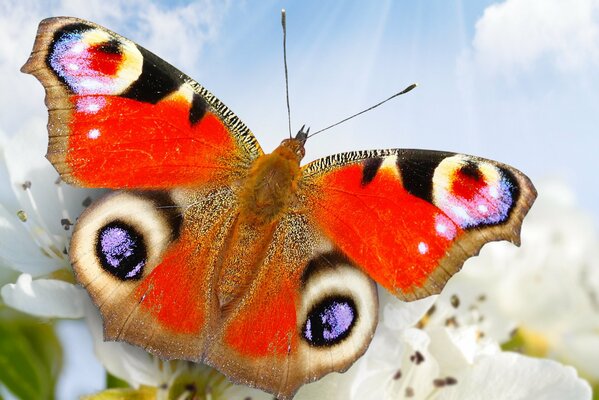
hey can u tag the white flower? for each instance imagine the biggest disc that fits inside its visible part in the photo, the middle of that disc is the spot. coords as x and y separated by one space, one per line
451 362
447 363
36 215
547 292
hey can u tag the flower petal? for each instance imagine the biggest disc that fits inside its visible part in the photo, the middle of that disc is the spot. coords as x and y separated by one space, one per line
399 315
127 362
44 194
333 386
581 349
240 392
457 348
19 252
7 275
396 365
48 298
516 377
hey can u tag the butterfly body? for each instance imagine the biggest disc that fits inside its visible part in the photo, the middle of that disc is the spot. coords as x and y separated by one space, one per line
210 250
272 183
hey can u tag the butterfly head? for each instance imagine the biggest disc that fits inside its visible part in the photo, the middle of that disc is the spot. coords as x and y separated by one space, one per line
296 144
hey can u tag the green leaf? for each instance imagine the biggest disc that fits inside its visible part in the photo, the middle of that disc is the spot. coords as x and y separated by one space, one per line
30 356
112 382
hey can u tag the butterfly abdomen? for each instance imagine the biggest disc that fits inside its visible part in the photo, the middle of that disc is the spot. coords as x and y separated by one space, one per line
271 184
264 198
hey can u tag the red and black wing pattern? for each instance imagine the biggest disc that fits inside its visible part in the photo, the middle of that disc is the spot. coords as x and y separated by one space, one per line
411 218
120 117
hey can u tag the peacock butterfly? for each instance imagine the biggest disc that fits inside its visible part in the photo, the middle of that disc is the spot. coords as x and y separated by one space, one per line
210 250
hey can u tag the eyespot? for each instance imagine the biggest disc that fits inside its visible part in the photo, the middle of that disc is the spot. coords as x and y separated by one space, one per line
122 236
94 61
473 192
330 321
121 250
338 313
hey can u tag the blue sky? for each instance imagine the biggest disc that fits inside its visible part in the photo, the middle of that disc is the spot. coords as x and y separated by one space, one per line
514 80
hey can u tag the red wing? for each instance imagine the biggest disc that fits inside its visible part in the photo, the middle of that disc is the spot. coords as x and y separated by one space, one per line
410 218
120 117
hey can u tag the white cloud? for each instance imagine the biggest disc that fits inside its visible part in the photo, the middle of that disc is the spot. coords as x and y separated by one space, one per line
176 33
515 34
181 32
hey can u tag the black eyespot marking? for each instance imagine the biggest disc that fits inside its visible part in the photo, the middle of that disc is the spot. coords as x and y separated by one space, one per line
470 170
110 47
155 81
69 29
417 172
371 167
121 250
513 186
330 321
323 262
198 109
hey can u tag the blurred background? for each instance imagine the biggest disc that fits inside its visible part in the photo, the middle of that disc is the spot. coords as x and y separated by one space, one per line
515 81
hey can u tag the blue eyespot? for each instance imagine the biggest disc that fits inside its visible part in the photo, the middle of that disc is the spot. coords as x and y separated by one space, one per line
330 321
121 250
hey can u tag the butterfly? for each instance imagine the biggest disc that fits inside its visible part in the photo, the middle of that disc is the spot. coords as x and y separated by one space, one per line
212 251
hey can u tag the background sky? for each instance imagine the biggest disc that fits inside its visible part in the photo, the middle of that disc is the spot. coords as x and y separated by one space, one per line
514 80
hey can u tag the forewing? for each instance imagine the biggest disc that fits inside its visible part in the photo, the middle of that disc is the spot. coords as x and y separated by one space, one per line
121 117
410 218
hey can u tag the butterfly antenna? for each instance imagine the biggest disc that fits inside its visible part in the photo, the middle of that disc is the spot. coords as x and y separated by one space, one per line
284 24
406 90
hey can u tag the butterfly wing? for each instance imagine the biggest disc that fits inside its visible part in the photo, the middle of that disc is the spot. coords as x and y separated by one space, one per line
120 117
307 312
410 218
